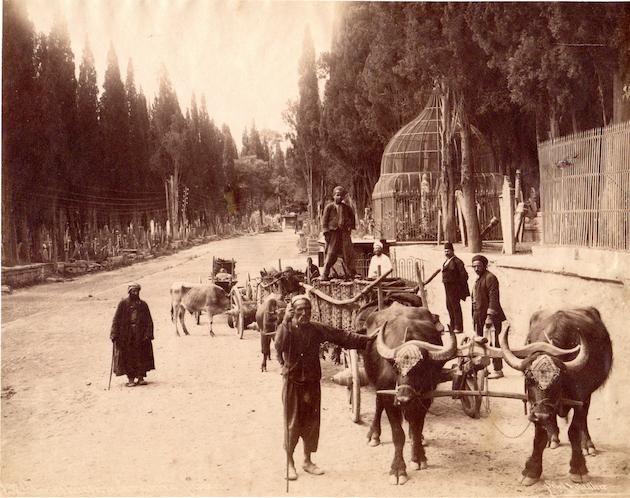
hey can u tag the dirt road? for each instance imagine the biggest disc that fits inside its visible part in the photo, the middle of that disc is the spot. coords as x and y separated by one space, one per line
210 423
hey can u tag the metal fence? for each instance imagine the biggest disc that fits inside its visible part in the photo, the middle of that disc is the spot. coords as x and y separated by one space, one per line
412 215
406 268
585 188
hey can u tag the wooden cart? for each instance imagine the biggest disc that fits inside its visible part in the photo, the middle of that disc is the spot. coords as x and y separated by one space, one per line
337 302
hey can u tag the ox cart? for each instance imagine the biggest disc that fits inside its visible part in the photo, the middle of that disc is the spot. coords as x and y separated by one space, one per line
336 303
224 273
246 299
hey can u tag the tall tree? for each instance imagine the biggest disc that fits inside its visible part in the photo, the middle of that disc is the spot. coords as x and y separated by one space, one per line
229 155
88 133
308 118
18 119
114 119
168 142
57 105
350 144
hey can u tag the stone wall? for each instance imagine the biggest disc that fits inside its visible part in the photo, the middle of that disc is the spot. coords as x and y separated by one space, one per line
529 283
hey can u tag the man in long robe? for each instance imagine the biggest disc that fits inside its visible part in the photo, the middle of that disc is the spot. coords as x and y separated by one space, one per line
297 343
337 224
132 333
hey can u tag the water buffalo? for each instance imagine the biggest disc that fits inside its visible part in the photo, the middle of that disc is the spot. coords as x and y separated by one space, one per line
268 317
195 298
561 372
407 357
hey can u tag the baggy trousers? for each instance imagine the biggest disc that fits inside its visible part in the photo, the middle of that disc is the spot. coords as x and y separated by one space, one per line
302 416
339 243
453 306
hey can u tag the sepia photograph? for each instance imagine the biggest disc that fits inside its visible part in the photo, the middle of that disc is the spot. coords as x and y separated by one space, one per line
315 248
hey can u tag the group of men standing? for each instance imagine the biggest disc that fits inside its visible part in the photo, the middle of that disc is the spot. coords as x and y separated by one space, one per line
487 313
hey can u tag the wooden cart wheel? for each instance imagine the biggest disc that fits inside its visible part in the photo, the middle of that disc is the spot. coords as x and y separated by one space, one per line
354 390
470 404
237 303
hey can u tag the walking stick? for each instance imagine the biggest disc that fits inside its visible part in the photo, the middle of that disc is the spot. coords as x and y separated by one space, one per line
111 370
286 441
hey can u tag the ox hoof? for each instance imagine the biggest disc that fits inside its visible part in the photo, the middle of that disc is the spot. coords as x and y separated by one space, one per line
579 478
424 465
554 444
395 480
589 451
528 481
374 441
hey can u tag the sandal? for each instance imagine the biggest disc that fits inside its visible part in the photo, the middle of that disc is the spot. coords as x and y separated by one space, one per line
130 384
141 383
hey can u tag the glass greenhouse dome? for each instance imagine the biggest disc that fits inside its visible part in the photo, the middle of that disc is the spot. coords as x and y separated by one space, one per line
406 197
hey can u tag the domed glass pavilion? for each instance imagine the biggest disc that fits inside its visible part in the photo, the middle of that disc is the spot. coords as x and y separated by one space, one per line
406 197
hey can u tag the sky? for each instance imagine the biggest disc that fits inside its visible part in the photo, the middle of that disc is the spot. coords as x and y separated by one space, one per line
242 55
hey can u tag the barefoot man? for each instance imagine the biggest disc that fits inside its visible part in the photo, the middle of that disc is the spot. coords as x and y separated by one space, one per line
297 343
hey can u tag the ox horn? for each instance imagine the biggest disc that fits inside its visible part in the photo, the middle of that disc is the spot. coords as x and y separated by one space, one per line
542 347
579 362
437 352
383 349
510 358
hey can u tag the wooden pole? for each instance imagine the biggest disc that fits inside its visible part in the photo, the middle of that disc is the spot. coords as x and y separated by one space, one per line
422 289
379 290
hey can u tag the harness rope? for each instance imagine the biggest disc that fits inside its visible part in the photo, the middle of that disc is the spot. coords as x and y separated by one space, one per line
507 435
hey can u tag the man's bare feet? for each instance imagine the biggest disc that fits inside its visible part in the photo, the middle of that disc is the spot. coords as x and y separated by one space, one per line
292 474
311 468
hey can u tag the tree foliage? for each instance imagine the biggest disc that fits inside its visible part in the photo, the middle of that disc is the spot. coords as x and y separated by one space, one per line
77 160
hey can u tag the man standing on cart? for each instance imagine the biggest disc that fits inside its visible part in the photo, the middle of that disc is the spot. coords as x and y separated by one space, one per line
297 343
338 223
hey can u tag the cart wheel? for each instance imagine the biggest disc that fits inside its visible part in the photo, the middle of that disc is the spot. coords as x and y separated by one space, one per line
237 303
354 391
471 404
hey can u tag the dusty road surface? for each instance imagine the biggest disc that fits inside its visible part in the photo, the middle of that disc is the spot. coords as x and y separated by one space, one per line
210 423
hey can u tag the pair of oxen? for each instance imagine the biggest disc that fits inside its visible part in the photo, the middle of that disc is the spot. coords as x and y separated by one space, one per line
567 356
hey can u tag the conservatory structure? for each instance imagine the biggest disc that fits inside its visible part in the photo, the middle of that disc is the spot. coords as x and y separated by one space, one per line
406 198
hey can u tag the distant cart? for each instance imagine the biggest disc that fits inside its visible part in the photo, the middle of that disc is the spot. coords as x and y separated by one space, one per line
224 273
252 295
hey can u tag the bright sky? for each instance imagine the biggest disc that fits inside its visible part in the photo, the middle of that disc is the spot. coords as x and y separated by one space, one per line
242 55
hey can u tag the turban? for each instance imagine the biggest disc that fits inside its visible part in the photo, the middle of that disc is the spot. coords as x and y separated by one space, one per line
300 297
339 189
481 258
133 286
377 244
448 245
